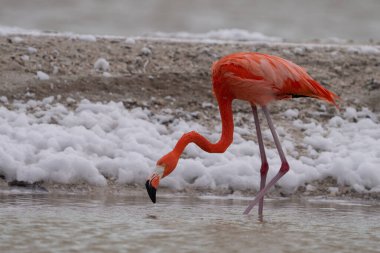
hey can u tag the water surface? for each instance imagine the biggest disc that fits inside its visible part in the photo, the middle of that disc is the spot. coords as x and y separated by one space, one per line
130 223
290 19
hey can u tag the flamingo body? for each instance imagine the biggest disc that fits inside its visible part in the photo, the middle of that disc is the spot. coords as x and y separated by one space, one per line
261 78
256 78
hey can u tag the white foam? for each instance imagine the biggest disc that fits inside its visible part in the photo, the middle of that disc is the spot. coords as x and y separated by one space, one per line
85 37
130 40
44 140
291 113
16 39
213 36
364 49
208 37
221 34
8 30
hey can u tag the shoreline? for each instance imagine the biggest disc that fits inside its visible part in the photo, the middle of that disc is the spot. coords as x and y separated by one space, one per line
315 189
140 68
159 74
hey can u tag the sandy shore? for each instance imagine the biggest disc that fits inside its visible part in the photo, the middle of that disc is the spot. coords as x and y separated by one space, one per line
159 74
142 68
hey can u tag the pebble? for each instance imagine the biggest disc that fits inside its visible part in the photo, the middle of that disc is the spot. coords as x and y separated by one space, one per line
32 50
25 57
145 51
42 75
101 64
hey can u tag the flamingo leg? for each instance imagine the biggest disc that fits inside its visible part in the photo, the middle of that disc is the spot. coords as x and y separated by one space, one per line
264 163
283 169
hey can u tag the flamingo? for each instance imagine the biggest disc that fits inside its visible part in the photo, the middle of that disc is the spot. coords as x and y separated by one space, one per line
258 79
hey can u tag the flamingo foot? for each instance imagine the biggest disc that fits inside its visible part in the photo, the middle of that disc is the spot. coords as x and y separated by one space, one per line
280 174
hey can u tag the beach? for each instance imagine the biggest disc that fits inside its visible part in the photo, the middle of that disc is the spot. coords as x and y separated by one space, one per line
169 78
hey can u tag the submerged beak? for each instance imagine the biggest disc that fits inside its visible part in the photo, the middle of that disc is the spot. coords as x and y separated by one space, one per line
151 190
152 183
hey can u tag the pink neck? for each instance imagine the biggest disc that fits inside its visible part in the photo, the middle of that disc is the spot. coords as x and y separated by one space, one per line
225 107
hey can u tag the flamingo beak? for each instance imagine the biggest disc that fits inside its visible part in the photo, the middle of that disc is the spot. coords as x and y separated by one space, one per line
152 183
151 190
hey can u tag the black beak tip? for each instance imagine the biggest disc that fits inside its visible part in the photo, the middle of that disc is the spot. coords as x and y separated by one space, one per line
151 191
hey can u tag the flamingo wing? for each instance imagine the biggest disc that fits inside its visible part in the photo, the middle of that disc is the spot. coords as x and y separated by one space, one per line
260 78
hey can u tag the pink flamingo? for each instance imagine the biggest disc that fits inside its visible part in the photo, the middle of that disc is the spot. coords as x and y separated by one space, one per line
256 78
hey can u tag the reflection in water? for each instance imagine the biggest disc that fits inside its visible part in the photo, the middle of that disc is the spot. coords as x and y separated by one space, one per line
66 223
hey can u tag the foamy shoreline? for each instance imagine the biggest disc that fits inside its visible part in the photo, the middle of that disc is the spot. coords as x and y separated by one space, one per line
163 85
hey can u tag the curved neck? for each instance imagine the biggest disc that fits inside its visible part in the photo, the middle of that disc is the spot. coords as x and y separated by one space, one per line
225 107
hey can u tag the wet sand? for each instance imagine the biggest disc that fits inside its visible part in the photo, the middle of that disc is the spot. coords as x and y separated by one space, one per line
33 222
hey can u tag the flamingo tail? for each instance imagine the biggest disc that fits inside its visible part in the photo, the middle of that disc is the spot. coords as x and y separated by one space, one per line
320 92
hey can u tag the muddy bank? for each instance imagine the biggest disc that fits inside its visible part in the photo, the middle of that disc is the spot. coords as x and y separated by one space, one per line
140 69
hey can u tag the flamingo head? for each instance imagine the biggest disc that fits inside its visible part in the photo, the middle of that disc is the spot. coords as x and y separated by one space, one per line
153 181
164 167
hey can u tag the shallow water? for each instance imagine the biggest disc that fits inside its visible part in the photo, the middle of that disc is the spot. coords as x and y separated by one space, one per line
70 223
291 19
